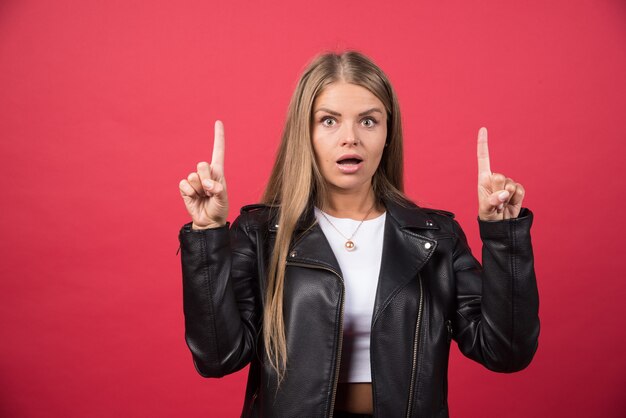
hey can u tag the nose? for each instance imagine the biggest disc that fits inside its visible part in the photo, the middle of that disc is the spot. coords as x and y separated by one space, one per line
349 136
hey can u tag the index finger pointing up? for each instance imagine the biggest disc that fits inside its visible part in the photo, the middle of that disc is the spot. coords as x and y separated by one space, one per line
483 152
218 145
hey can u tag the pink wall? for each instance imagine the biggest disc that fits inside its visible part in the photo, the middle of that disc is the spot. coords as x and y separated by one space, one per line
105 106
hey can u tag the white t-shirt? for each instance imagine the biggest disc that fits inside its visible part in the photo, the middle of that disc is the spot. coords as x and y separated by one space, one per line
360 270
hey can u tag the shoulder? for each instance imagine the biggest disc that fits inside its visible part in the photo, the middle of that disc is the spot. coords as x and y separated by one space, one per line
256 215
254 207
437 212
408 214
442 220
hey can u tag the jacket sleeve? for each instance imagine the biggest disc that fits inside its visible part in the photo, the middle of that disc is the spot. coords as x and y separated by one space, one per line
220 297
496 322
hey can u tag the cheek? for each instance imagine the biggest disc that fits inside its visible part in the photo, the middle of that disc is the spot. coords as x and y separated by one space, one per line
377 160
321 148
315 144
379 148
318 150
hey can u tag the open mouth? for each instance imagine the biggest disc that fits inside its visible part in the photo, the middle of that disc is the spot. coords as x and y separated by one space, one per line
349 164
349 161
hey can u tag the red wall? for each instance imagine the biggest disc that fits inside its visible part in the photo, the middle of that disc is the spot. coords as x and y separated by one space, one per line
105 106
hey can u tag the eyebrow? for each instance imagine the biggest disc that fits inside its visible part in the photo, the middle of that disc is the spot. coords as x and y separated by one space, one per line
332 112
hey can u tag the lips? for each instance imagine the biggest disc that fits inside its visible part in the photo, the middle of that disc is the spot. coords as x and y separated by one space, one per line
349 163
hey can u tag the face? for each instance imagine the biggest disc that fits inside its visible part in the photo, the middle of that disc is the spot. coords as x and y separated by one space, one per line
349 130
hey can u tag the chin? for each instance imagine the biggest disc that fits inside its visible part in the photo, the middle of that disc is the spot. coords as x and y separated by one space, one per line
349 184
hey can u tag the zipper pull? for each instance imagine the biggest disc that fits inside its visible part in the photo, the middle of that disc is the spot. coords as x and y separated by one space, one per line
449 328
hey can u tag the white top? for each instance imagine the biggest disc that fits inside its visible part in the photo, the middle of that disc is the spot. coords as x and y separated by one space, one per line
360 269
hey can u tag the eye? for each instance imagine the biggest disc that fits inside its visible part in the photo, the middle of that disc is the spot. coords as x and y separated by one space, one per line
328 121
369 122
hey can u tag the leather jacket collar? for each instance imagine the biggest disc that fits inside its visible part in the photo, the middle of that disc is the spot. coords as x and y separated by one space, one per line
406 215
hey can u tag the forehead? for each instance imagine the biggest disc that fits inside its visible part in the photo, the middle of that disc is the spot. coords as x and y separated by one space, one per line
346 96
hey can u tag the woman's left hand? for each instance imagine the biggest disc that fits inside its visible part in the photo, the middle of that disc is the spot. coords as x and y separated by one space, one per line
499 197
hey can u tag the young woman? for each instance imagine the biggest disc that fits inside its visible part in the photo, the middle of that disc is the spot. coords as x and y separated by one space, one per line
342 294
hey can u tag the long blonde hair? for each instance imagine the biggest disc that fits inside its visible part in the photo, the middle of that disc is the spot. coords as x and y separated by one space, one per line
296 181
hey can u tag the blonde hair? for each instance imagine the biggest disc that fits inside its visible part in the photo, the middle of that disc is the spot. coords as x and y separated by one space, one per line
296 181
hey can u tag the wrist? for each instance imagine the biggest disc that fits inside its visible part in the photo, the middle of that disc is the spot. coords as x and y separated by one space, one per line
212 225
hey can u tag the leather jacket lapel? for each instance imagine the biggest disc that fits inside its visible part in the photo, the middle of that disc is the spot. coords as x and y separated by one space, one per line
309 245
404 251
312 247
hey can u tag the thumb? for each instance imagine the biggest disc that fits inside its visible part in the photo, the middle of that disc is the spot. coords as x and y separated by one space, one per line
499 198
213 188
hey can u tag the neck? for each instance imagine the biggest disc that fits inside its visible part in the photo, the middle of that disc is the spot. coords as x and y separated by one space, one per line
354 205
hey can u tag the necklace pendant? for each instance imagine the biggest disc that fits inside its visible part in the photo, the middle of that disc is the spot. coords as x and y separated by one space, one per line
349 245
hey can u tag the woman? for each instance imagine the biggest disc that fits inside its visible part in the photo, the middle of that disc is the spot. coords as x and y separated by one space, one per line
341 294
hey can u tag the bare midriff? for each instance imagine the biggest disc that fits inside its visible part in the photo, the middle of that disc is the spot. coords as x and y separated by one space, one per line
355 398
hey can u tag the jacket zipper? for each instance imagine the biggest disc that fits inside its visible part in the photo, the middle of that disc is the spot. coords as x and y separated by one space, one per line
339 346
415 349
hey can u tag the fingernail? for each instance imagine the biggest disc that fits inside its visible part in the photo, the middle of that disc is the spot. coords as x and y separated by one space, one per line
501 206
502 196
207 183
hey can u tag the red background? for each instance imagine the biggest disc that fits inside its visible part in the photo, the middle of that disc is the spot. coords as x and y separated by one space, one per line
105 106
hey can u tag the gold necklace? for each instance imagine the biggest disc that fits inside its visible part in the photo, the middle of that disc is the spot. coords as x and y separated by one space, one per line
349 245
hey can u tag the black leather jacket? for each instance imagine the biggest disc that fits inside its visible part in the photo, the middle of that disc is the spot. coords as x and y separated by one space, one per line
431 290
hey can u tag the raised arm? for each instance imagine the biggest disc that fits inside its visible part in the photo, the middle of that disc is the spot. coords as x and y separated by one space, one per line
219 266
497 322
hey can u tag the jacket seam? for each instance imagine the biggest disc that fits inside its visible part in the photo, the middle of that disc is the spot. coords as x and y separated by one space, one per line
208 290
259 321
249 230
457 242
514 271
315 262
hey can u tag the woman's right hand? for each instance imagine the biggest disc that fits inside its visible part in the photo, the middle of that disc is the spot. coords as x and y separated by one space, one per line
204 190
